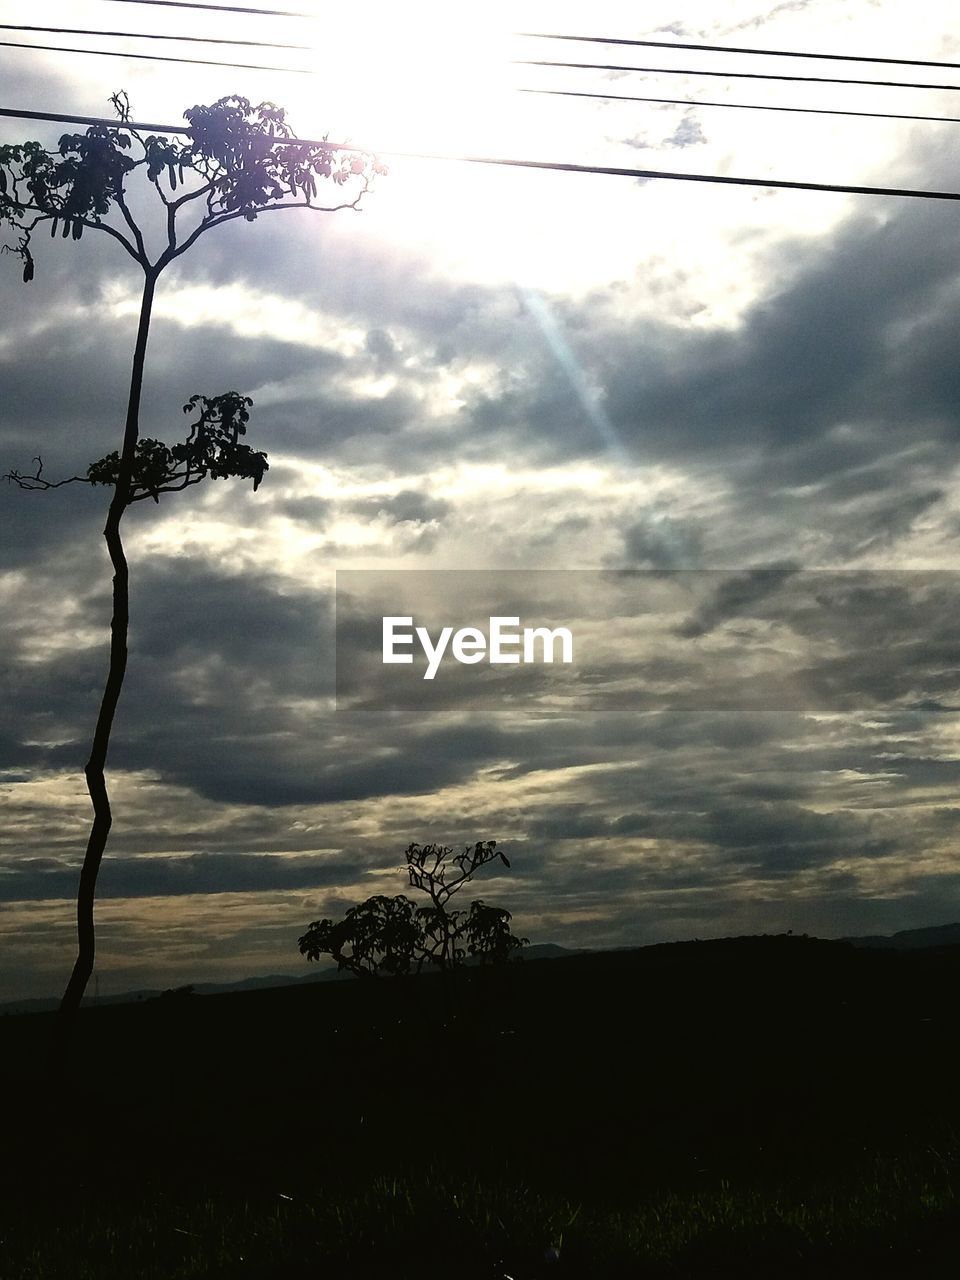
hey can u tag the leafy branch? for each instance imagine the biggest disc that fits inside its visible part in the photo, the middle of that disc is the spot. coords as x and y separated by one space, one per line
212 448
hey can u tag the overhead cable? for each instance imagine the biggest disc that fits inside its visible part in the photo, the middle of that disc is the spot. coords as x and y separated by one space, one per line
735 48
553 166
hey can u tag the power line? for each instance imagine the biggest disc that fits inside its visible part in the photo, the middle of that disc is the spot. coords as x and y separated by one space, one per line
217 8
155 57
742 106
546 165
563 93
730 48
548 35
657 44
144 127
733 75
57 118
146 35
522 62
614 171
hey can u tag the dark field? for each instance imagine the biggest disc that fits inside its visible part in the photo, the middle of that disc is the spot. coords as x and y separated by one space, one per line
752 1107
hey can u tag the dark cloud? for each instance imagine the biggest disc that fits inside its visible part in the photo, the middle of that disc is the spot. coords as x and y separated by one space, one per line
383 349
845 365
688 133
309 509
41 879
406 506
733 595
36 525
662 542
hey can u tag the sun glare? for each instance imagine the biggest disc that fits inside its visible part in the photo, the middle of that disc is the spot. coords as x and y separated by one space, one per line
438 78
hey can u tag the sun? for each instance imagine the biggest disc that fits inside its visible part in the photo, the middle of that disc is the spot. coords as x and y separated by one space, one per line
430 77
434 80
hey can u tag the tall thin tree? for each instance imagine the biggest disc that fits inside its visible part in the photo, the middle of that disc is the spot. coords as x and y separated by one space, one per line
239 161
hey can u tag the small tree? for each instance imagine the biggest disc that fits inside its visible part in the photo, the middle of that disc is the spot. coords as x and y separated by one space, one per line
394 936
239 161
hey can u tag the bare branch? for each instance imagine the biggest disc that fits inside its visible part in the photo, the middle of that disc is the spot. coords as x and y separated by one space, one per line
120 101
208 188
36 482
155 182
219 219
187 477
128 219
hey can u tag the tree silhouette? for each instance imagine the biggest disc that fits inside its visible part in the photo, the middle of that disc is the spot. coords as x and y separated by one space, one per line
394 936
438 872
239 161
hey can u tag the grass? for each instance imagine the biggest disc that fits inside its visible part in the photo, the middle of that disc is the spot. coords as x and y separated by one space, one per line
898 1217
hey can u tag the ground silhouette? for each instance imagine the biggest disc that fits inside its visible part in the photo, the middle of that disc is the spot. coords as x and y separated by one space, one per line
776 1104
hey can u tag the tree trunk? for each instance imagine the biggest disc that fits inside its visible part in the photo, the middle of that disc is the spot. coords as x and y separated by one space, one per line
94 769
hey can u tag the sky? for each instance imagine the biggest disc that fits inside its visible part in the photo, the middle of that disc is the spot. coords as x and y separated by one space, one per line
746 397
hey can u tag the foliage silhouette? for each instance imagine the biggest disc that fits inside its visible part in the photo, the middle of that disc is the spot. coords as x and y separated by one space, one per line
240 161
394 936
378 936
212 449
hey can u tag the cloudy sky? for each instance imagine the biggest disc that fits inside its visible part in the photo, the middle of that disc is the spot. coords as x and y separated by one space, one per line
749 398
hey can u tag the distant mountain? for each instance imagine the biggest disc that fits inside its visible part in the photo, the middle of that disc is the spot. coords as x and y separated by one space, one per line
939 935
944 935
540 951
271 980
551 951
44 1004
